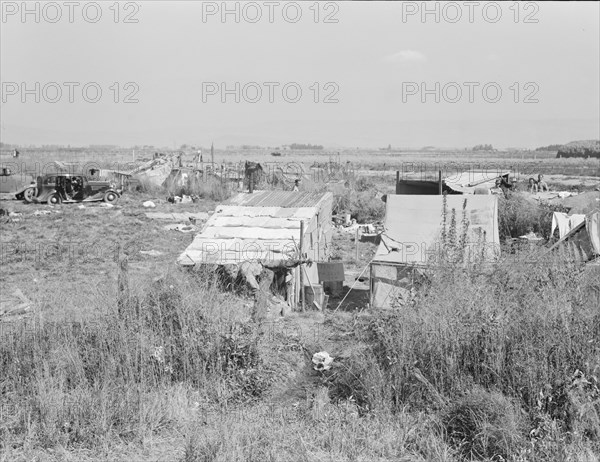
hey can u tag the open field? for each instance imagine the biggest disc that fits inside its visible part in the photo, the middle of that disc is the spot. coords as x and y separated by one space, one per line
526 162
299 231
482 366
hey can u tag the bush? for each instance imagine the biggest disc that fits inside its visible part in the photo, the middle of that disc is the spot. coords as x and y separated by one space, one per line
365 207
518 216
483 424
207 188
357 378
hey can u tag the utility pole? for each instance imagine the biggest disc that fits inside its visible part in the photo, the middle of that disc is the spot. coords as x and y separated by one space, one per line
212 154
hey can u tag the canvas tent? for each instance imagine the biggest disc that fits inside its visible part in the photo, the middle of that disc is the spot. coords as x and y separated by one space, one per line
412 230
265 225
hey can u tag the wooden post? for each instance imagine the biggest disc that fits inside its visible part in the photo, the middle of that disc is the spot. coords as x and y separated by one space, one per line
440 181
122 284
398 178
356 246
301 272
371 285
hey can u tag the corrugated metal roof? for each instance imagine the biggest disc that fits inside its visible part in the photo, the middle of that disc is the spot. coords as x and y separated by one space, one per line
286 199
234 234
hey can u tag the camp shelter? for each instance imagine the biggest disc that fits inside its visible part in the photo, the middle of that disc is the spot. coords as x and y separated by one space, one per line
265 225
178 178
411 239
467 182
585 236
582 203
459 183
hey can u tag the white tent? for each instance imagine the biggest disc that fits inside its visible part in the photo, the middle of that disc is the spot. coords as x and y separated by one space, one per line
413 233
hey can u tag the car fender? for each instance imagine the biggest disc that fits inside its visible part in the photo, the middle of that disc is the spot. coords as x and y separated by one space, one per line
23 188
44 196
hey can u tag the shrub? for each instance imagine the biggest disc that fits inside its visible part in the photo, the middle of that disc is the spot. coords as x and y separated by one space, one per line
207 188
518 216
365 207
357 378
483 424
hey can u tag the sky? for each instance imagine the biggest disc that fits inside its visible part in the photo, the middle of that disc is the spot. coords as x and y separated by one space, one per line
339 74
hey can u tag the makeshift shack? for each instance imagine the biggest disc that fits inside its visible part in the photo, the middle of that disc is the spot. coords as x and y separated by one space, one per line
411 239
460 183
265 226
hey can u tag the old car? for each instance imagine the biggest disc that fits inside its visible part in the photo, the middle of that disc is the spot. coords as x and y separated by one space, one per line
20 186
65 188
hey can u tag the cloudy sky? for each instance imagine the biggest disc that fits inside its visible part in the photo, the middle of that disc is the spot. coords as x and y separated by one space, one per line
339 73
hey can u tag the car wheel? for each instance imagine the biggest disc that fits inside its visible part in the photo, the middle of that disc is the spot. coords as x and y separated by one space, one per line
29 194
54 199
111 196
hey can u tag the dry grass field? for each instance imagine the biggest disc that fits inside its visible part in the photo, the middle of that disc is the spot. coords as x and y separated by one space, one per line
158 363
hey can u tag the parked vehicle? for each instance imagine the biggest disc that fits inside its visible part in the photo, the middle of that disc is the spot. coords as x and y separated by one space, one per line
65 188
21 186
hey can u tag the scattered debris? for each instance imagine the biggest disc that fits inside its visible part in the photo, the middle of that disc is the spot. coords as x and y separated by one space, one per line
563 194
42 212
183 199
151 253
531 236
149 204
81 206
322 361
185 216
181 228
106 205
367 228
549 195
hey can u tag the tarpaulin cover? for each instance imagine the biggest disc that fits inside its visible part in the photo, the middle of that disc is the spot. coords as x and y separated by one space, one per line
413 226
467 182
592 224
